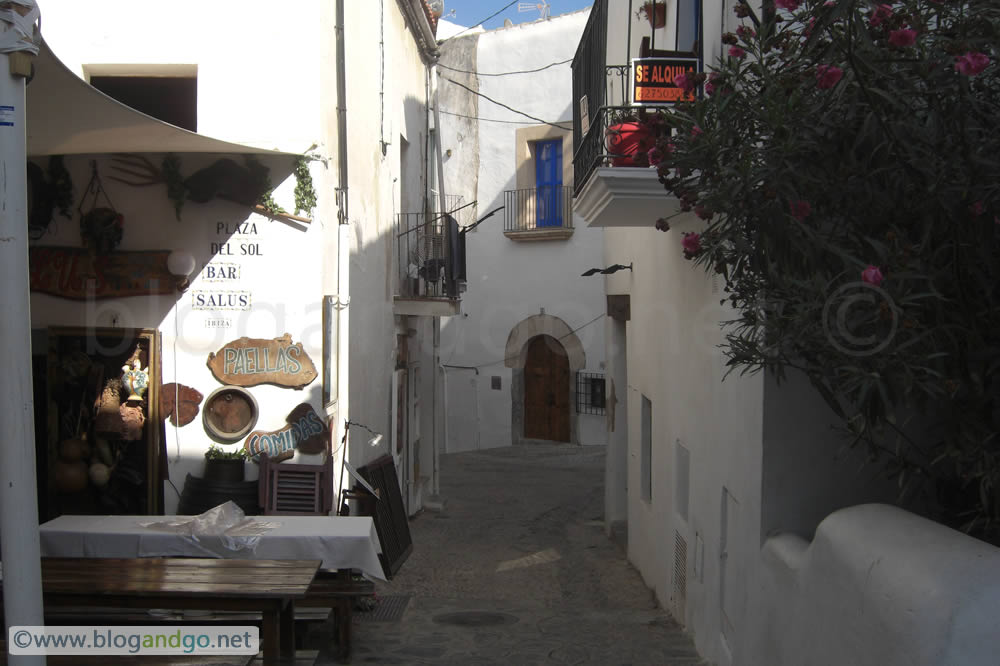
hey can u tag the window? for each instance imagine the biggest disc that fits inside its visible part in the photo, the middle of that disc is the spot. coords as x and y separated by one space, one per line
540 208
589 393
646 456
548 183
166 92
688 25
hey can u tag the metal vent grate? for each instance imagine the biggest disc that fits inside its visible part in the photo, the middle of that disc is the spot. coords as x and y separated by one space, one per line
679 577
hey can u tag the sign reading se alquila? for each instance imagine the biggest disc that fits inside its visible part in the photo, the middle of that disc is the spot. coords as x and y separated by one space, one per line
253 361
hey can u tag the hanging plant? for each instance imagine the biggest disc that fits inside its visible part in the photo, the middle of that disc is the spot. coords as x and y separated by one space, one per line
305 193
101 226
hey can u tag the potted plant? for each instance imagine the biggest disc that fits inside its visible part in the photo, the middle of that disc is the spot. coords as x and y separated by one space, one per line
223 465
628 139
654 12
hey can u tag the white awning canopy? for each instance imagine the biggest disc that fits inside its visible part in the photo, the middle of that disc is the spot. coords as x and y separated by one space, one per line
68 116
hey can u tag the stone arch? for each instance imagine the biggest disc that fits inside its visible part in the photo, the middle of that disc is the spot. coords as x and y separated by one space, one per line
543 324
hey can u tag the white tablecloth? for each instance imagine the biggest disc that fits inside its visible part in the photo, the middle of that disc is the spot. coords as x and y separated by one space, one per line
348 542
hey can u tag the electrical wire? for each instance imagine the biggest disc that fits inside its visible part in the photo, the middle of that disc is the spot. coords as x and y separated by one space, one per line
520 71
509 4
509 108
512 357
486 120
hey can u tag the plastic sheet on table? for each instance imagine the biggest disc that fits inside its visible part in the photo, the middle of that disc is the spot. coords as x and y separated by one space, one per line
227 521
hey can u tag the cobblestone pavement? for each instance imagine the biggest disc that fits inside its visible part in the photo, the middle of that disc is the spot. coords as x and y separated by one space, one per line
516 569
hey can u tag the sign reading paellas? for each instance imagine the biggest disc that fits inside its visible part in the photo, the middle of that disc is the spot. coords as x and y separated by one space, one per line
653 80
252 361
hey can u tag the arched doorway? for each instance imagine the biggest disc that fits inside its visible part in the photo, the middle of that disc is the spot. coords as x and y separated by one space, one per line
546 390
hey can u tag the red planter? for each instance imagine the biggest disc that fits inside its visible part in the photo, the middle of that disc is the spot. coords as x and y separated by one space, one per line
626 140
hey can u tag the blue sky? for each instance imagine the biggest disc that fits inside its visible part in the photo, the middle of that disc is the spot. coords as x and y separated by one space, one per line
470 12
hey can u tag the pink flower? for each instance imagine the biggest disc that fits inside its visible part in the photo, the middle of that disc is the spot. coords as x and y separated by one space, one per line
654 155
737 52
745 33
790 5
879 15
903 37
800 209
696 132
972 63
977 208
872 275
827 76
691 244
704 212
709 87
685 82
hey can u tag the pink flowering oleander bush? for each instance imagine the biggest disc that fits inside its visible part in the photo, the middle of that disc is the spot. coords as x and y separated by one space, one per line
845 159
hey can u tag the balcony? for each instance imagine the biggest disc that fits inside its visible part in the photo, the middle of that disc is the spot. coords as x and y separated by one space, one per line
431 263
614 186
542 213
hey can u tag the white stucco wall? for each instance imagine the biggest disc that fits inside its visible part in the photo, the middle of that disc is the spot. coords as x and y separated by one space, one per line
510 281
236 80
266 76
673 361
877 587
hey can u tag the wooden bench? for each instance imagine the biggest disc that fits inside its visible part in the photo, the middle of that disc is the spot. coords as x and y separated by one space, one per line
338 590
270 587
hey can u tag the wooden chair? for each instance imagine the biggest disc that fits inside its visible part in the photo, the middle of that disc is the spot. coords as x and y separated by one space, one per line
294 489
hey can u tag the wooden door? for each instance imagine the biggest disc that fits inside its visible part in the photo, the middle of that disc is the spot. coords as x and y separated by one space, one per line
546 390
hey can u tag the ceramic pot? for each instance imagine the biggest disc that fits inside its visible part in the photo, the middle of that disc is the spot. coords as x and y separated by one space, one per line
626 140
135 380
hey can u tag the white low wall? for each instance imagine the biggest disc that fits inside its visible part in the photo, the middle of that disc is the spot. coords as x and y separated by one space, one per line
878 586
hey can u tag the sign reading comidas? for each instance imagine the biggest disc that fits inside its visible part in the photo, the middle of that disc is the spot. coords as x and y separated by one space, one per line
253 361
653 80
305 431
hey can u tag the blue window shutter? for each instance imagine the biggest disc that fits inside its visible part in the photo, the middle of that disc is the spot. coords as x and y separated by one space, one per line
548 183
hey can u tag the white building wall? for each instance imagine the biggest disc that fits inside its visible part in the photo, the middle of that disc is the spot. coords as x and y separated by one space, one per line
236 79
266 76
509 281
673 361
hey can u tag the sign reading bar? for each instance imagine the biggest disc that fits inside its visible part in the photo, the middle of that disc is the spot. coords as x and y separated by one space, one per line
305 431
251 361
653 80
77 273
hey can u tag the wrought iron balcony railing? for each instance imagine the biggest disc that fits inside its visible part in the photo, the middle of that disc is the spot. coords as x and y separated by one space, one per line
431 252
546 207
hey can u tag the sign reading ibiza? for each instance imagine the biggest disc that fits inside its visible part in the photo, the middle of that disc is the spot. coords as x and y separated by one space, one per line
253 361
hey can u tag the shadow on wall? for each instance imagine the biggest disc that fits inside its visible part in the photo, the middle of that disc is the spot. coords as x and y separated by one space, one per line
809 470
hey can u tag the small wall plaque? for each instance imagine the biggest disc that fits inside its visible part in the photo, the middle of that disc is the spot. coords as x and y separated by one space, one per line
252 361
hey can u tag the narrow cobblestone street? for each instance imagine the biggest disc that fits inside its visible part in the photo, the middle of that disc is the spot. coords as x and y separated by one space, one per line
516 569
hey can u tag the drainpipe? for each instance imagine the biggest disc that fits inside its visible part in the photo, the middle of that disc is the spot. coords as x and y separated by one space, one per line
437 320
343 251
22 593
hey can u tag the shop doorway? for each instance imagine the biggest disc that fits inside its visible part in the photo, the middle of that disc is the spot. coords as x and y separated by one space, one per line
97 451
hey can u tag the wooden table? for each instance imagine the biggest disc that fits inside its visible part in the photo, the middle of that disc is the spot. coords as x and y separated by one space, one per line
268 586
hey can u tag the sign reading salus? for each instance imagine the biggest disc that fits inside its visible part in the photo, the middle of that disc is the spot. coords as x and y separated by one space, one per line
252 361
653 80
